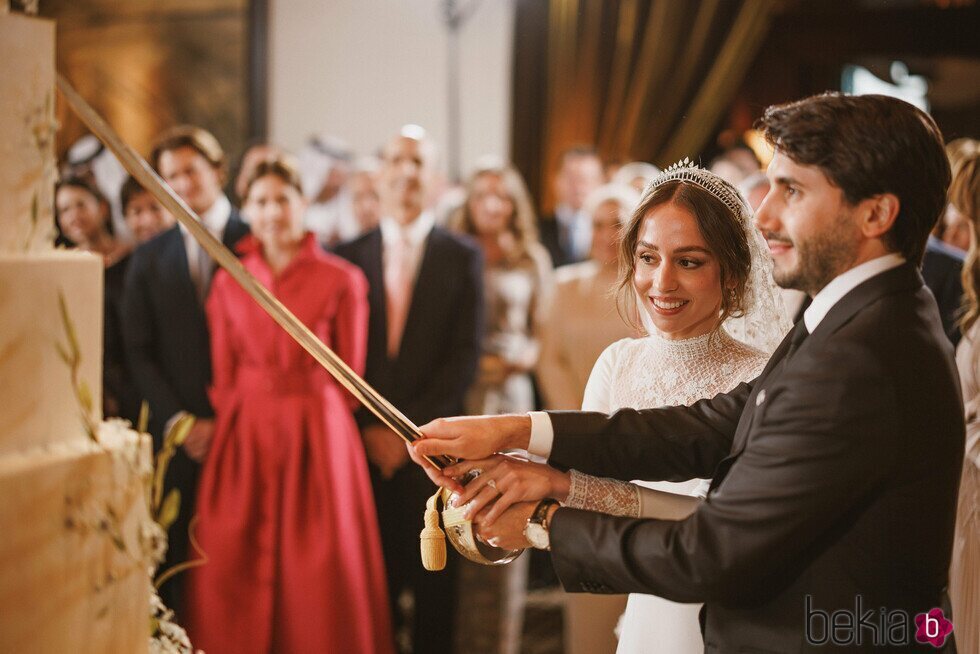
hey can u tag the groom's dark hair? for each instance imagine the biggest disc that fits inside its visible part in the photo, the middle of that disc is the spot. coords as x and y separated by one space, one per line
867 145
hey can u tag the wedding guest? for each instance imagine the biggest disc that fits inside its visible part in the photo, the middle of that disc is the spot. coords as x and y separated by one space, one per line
83 220
610 168
163 323
954 228
363 187
82 216
583 319
754 189
284 508
144 214
424 333
254 155
735 164
145 218
636 174
942 267
89 159
727 169
961 148
567 233
325 167
964 571
800 494
517 287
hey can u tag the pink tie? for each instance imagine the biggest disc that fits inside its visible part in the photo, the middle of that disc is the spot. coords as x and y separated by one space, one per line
398 289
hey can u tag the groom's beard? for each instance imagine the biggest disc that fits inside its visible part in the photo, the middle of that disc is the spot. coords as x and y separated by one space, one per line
820 257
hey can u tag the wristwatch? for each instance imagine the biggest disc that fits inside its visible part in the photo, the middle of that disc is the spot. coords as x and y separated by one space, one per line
536 529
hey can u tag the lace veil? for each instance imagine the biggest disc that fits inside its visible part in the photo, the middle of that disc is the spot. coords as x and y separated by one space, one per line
765 321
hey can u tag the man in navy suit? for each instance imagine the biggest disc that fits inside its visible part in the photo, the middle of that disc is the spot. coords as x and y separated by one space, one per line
567 234
426 297
942 266
164 326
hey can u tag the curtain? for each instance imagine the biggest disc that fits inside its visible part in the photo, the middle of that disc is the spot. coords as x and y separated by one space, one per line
639 79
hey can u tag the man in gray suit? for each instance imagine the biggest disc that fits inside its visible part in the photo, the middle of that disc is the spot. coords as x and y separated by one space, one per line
831 510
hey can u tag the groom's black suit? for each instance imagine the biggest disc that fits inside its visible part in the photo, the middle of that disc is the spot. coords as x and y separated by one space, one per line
835 475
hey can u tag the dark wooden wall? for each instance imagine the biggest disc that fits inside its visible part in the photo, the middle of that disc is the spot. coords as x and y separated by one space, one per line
147 65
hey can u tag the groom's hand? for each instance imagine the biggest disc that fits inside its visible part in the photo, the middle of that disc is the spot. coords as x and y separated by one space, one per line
434 474
475 437
507 531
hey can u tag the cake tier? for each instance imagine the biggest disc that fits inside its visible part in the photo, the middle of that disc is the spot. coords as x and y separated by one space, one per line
73 572
27 133
39 403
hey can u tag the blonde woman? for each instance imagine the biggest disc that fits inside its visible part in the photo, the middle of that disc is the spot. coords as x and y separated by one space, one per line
964 573
517 287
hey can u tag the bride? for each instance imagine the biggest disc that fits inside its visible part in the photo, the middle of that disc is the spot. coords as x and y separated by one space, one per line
697 275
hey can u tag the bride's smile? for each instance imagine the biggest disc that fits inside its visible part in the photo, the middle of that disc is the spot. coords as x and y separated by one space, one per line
667 306
677 274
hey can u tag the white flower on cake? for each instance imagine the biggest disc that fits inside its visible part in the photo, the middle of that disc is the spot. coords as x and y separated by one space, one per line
117 436
171 637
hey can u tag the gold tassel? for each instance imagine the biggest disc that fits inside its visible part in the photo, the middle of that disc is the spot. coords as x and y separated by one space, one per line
433 540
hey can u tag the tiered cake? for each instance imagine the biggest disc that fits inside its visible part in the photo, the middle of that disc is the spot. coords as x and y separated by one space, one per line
73 572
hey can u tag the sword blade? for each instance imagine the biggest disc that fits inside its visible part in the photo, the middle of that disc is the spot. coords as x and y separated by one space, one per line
148 179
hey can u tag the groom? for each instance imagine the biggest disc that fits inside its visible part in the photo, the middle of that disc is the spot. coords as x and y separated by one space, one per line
830 515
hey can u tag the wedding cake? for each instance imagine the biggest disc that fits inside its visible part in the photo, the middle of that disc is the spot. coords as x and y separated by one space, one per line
73 516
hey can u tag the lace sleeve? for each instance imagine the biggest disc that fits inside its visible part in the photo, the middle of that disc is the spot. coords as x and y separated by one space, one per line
603 495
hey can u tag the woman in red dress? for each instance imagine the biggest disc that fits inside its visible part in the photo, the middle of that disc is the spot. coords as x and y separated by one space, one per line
285 512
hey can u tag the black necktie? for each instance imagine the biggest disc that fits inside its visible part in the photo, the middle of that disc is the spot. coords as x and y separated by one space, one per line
799 335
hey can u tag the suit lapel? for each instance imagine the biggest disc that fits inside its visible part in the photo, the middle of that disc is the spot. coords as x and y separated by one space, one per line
374 271
234 230
745 420
903 278
174 259
425 281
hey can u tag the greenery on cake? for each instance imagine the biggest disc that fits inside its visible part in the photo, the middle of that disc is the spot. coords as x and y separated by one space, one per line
117 437
42 126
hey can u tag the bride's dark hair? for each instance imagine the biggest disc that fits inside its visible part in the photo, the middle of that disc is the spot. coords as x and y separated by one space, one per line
722 231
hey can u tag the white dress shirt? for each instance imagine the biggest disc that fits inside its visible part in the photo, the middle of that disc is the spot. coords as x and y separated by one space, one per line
843 284
199 262
543 433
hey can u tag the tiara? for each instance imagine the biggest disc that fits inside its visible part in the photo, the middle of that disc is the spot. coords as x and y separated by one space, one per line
686 170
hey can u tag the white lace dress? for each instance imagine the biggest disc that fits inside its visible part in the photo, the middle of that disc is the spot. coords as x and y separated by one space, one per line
643 373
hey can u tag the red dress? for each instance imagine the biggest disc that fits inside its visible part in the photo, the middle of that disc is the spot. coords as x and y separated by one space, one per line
285 511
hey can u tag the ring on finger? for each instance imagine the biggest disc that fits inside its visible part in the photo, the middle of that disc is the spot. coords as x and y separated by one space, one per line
492 484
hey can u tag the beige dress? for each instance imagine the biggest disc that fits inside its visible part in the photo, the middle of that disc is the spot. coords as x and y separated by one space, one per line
964 572
582 323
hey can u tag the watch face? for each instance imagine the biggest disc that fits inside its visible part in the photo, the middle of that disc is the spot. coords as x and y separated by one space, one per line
537 535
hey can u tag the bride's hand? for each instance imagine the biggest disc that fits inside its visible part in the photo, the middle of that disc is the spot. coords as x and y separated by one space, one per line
505 480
